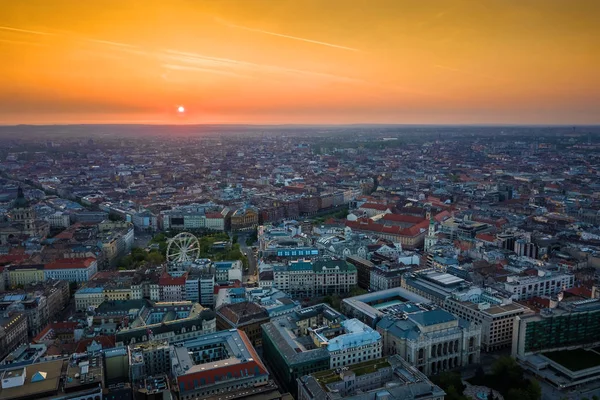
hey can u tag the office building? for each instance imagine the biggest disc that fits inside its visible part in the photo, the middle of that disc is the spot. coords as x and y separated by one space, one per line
306 278
150 358
491 309
385 378
13 332
217 364
546 283
564 325
143 320
431 339
245 316
315 339
71 269
560 344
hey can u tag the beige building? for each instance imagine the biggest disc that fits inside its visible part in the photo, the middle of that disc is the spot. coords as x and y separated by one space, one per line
25 274
13 332
88 297
243 219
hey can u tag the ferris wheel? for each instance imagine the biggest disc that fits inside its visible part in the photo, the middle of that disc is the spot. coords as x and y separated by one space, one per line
183 248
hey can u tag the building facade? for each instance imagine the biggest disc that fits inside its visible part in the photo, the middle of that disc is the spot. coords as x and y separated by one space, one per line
71 269
390 378
305 278
217 364
546 283
13 332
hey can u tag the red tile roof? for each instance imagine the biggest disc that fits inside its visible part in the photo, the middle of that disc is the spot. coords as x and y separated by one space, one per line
213 375
486 237
367 225
236 284
580 291
13 258
168 280
56 327
442 216
373 206
70 263
409 219
213 215
107 342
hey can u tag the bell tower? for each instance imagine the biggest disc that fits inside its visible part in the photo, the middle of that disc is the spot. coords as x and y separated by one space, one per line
430 239
22 213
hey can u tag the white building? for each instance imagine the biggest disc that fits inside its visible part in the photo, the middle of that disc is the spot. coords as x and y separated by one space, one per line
172 288
228 271
71 269
495 314
59 220
487 307
358 343
214 221
546 283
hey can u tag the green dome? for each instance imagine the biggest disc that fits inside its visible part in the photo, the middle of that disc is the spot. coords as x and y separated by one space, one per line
20 201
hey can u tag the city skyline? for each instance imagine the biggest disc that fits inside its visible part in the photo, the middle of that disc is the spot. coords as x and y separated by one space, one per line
234 62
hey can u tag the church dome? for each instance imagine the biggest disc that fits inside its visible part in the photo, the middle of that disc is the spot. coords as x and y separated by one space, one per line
20 201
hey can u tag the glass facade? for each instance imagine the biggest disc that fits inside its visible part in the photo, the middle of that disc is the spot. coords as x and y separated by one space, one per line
563 330
299 252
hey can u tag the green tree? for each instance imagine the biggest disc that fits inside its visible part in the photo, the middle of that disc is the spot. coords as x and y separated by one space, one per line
334 301
357 291
534 389
451 383
115 217
125 262
479 376
517 394
72 288
155 258
235 239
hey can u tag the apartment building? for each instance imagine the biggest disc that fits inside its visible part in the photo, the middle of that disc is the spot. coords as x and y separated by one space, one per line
305 278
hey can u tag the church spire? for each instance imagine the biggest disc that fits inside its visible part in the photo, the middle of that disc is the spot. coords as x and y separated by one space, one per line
20 201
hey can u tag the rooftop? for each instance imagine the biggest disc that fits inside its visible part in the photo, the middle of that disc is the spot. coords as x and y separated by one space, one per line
235 350
50 371
84 371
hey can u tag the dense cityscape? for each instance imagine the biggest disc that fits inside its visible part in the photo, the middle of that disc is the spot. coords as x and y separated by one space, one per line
299 262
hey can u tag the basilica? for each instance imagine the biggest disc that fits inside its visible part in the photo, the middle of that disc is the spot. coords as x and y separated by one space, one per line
21 222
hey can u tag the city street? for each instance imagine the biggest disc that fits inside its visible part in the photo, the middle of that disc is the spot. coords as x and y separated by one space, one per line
250 274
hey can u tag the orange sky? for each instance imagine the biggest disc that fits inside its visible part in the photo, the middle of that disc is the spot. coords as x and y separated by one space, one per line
300 61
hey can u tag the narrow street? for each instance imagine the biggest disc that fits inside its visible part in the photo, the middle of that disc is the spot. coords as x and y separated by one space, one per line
250 274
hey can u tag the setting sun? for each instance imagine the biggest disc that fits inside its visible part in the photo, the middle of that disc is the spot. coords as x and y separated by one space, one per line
181 109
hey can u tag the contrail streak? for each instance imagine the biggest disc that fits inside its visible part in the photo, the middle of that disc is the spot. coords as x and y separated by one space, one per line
216 62
337 46
7 28
199 69
20 42
106 42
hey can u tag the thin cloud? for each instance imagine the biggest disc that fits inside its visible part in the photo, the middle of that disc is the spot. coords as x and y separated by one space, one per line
217 62
19 42
108 43
246 28
8 28
176 67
